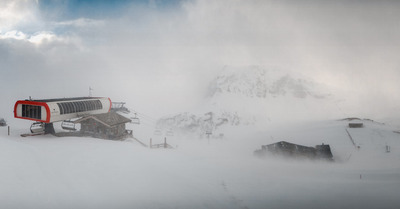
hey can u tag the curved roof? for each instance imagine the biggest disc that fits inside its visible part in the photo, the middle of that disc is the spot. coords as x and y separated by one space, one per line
64 99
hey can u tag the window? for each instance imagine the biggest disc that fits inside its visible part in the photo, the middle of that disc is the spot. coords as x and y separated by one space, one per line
74 109
70 107
32 111
61 108
65 108
80 106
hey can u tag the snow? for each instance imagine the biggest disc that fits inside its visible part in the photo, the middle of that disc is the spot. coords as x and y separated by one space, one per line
250 96
265 82
71 172
220 172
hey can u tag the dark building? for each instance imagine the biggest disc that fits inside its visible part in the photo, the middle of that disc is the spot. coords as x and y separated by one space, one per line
356 125
3 122
109 125
298 151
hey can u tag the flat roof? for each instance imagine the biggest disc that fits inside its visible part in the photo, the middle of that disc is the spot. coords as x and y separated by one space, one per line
108 119
63 99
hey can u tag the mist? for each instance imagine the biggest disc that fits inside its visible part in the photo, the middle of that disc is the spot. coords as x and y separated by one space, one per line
166 56
163 58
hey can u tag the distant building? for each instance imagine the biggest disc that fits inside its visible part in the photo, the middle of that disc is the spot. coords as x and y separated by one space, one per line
298 151
3 122
356 125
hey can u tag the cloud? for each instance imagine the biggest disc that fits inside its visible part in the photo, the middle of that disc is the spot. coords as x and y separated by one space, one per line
40 37
14 14
80 22
18 35
168 55
36 38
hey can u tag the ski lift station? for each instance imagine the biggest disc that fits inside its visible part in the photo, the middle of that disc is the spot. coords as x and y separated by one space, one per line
95 109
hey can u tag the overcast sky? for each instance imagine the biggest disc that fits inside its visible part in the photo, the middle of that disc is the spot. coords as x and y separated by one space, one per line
164 52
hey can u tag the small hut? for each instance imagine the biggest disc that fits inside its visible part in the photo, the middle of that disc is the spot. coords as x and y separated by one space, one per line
297 151
109 125
356 125
3 122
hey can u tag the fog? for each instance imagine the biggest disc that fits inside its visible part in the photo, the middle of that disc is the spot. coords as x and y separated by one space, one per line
165 56
160 58
65 172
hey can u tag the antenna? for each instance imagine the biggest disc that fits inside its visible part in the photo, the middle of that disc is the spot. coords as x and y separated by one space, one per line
90 91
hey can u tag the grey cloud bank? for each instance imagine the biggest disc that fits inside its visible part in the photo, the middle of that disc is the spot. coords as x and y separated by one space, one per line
166 57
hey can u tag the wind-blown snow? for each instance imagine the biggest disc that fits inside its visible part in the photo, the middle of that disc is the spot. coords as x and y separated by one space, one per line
50 172
252 96
264 82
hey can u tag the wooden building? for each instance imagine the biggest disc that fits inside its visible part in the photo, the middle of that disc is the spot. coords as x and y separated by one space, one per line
294 150
109 125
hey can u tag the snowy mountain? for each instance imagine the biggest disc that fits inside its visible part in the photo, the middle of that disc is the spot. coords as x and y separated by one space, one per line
252 96
257 81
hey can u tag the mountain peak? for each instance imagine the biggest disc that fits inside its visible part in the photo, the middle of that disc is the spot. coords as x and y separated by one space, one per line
263 82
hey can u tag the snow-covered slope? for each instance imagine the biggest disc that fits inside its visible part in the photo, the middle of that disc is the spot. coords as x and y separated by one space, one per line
50 172
263 82
253 96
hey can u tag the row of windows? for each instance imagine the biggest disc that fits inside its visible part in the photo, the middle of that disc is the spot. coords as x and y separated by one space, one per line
81 106
32 111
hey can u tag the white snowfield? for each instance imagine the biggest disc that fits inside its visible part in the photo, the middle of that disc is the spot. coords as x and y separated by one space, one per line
50 172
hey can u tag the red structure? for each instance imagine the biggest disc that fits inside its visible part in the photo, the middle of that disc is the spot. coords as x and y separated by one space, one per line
47 111
53 110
